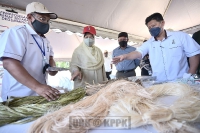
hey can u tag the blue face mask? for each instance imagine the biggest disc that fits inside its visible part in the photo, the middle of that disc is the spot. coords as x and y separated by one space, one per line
40 27
155 31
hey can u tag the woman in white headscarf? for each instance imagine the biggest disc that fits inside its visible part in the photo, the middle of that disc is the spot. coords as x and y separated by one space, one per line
87 63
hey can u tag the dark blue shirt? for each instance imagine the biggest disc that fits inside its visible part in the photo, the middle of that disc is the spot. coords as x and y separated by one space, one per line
125 64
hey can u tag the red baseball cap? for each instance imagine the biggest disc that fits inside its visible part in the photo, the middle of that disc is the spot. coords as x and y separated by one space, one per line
89 29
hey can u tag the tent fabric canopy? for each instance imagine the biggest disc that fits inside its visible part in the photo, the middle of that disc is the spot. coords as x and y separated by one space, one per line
113 16
64 44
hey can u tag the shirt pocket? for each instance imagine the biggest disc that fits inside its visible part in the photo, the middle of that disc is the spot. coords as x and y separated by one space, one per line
175 51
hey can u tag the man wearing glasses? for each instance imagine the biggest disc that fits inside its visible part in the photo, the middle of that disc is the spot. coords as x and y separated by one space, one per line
126 68
25 51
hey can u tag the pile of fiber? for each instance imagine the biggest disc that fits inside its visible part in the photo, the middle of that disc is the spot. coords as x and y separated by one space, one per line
94 88
125 98
94 106
26 109
176 118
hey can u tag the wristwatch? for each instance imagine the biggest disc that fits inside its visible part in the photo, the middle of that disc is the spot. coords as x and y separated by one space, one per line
195 76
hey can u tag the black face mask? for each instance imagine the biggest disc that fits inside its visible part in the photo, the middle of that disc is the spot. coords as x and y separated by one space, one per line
40 27
123 43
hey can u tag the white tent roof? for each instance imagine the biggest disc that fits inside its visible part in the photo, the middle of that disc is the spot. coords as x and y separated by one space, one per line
113 16
64 44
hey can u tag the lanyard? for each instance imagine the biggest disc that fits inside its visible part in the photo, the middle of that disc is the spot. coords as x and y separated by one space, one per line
43 52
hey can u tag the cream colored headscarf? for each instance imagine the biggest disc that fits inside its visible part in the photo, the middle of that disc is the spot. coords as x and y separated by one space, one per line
89 58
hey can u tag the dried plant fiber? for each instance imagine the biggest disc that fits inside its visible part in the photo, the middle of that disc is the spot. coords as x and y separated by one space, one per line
125 98
26 109
165 119
92 106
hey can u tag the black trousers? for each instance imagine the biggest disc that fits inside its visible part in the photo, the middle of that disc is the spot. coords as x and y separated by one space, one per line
144 72
108 75
125 75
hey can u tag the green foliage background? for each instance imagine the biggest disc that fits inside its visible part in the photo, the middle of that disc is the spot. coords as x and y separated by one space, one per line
63 64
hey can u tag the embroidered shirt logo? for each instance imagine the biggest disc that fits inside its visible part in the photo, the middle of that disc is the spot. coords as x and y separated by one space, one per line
173 42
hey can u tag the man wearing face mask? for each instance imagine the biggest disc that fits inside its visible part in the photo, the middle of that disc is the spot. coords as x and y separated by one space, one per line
87 63
126 68
168 51
25 51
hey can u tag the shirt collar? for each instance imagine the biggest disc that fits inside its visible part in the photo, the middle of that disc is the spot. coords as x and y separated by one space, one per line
125 48
167 34
32 31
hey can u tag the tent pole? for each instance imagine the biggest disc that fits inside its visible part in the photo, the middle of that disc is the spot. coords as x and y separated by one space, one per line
170 1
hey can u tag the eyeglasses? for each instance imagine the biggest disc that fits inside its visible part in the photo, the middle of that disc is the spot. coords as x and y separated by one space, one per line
41 18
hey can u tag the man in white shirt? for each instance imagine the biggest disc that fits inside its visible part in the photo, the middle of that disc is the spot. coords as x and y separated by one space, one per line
107 64
25 53
168 51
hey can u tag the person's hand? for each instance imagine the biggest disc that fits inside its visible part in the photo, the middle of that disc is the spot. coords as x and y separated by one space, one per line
187 75
118 59
187 78
76 74
47 92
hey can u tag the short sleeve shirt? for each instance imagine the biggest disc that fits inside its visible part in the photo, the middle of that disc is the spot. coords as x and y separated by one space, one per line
125 64
18 43
107 64
168 58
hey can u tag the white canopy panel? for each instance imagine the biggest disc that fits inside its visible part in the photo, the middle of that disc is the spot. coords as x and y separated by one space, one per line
113 16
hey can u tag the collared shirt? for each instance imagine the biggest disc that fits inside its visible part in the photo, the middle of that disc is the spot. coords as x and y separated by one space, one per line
168 57
107 64
18 43
125 64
